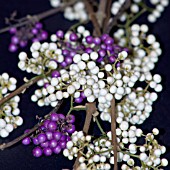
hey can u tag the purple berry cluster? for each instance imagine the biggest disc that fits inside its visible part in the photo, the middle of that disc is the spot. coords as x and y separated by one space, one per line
77 43
22 35
52 135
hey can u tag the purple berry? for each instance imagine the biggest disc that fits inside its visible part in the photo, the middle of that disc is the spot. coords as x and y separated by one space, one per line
34 31
63 138
97 41
26 141
13 30
79 100
68 60
42 137
42 127
61 117
38 25
52 126
72 53
62 144
112 59
55 73
14 40
70 118
65 52
73 37
37 152
57 149
103 46
35 141
49 135
47 151
46 122
60 34
110 48
109 41
63 64
88 50
71 128
44 35
102 53
89 39
118 64
54 117
100 59
13 48
82 95
68 138
23 43
57 135
52 143
44 144
104 36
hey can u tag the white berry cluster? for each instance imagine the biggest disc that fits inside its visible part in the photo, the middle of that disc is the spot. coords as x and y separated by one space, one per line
38 63
149 153
92 159
157 11
85 76
7 84
77 12
136 106
74 12
146 49
9 111
98 152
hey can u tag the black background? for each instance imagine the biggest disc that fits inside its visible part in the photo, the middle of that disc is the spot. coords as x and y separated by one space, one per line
20 157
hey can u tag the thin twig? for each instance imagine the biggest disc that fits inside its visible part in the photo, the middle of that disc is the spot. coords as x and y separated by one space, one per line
23 88
16 140
38 17
92 17
113 130
114 20
90 109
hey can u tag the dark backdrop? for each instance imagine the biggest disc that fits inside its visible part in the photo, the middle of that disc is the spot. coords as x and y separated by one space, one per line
20 157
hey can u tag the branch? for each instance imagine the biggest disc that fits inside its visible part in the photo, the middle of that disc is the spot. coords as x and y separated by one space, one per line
90 109
113 130
36 18
92 17
101 13
114 20
22 88
13 142
108 14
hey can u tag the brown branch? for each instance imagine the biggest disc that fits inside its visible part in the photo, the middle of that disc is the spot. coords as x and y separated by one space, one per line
92 17
113 21
90 109
113 130
38 17
22 88
108 14
101 13
13 142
